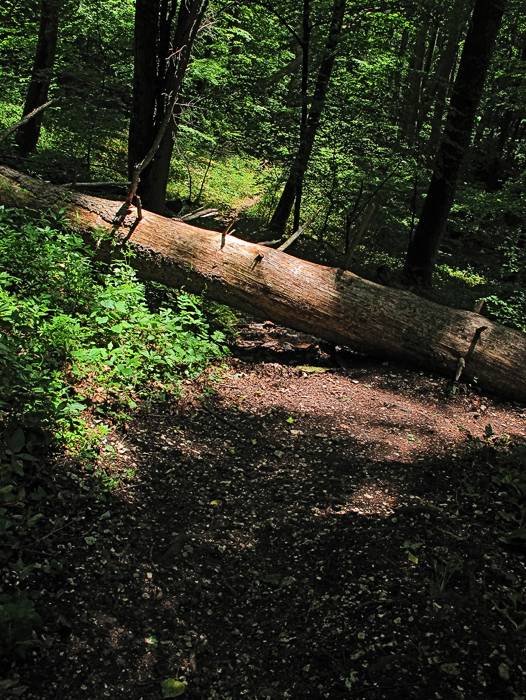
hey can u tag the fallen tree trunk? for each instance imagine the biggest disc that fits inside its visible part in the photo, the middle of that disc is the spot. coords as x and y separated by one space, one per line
328 302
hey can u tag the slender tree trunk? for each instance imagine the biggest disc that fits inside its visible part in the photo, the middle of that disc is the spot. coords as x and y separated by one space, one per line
37 94
512 117
398 77
414 87
291 98
427 82
467 91
305 52
299 167
160 67
446 64
145 80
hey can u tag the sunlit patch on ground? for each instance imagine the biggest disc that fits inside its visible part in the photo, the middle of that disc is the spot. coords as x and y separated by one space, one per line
368 499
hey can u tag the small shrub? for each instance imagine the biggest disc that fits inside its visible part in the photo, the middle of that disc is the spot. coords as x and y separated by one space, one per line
509 310
468 276
77 334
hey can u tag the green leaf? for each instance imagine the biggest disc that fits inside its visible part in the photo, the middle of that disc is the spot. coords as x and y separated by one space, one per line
195 132
488 431
119 327
172 688
121 307
74 407
33 520
6 490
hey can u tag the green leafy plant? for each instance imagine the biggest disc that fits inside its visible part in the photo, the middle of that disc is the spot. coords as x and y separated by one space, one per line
173 688
78 336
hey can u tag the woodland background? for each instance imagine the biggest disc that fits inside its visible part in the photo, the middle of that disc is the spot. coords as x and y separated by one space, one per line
151 487
238 133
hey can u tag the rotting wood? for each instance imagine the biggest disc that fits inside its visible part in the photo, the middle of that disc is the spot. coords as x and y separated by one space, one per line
331 303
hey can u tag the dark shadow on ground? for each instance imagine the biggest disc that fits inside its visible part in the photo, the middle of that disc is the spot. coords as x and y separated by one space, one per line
263 555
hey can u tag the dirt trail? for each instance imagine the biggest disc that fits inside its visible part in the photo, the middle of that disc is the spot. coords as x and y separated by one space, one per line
294 532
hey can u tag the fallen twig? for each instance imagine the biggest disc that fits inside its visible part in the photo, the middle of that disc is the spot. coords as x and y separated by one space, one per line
96 185
290 240
201 213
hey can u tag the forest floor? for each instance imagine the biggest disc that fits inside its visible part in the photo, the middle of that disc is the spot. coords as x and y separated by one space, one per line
295 525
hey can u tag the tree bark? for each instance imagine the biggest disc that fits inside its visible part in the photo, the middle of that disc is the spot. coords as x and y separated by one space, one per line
455 27
398 79
426 78
37 93
305 59
301 161
467 92
145 79
416 71
328 302
159 70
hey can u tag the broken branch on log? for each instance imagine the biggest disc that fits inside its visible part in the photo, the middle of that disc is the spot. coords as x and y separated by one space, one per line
270 243
462 362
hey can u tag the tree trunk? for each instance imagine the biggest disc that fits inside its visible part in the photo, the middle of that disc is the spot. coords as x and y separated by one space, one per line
305 58
467 91
426 78
145 92
455 27
159 69
328 302
416 71
37 94
513 116
398 78
301 161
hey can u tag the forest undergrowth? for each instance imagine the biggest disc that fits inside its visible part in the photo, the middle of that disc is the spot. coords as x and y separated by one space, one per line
82 345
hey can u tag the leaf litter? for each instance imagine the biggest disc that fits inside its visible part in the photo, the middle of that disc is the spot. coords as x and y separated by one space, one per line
287 534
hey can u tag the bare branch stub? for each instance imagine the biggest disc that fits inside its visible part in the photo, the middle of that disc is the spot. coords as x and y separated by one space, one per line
462 361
